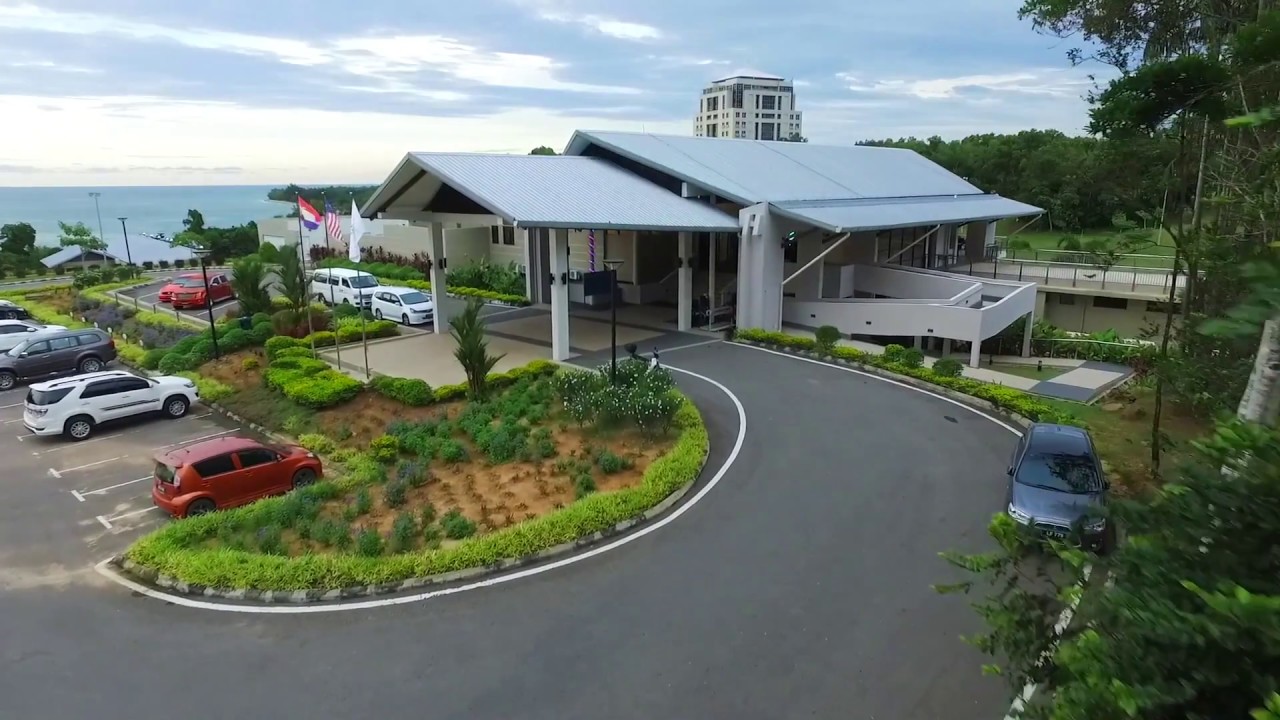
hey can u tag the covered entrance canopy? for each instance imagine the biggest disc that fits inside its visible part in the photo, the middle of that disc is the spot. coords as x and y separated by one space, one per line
555 193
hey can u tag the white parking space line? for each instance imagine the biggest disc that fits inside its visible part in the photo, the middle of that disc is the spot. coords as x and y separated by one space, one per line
58 473
7 422
107 521
19 404
84 493
81 443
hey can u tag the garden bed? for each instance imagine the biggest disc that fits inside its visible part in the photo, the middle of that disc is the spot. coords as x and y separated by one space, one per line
415 491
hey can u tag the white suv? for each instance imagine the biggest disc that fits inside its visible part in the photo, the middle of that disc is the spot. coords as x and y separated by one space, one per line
75 406
333 286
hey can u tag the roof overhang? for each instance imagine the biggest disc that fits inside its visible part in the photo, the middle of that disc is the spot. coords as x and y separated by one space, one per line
887 214
582 141
535 191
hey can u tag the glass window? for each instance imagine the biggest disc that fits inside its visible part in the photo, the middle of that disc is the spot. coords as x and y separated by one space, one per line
256 456
101 388
1112 303
63 343
47 397
89 339
362 281
6 329
508 235
214 466
1060 471
34 348
132 384
189 282
413 298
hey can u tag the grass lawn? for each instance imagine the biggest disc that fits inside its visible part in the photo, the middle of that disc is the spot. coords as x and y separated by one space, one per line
1028 371
1161 247
453 469
1121 427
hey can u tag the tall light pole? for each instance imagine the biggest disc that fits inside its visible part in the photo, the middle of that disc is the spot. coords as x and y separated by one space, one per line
613 318
128 254
203 254
101 234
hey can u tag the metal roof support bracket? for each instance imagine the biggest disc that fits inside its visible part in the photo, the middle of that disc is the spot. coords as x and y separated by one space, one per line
918 240
821 255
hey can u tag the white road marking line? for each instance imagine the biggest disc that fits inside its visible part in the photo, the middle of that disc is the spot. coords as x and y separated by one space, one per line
2 407
99 491
9 422
686 347
58 473
77 496
104 568
54 473
79 444
197 417
105 523
1059 627
196 439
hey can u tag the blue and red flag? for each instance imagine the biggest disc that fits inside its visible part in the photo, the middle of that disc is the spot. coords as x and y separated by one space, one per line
310 217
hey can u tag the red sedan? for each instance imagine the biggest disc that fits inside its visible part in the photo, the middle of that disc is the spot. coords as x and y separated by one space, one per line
189 290
228 471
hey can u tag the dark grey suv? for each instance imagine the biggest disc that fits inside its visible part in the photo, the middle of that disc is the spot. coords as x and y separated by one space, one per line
1056 485
56 353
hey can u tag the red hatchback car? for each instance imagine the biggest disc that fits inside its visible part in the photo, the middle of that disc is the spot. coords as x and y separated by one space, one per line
228 471
189 290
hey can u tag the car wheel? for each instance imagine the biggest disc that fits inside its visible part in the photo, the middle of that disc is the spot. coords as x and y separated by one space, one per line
377 314
345 301
404 319
79 427
176 406
7 380
304 477
203 506
320 299
90 365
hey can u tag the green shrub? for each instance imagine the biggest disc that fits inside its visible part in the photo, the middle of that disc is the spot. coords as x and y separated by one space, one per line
211 391
275 344
174 363
611 463
295 424
584 484
428 514
410 391
912 358
403 532
130 354
412 473
232 340
384 448
452 451
249 363
503 443
369 543
456 526
316 443
826 337
395 494
541 444
270 541
364 501
948 367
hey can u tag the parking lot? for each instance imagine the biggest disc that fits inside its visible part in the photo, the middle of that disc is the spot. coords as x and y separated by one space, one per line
67 505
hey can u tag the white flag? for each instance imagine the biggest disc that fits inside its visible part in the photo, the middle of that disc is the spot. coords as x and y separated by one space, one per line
358 231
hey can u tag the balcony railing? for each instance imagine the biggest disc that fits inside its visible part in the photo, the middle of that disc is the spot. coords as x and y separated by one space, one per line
1074 275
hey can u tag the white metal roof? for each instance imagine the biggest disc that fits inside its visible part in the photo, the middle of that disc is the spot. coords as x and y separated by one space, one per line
543 191
754 171
875 214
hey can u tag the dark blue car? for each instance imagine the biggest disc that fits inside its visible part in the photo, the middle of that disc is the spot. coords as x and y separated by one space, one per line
1057 487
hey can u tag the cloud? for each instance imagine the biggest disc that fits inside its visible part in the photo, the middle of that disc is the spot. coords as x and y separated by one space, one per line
52 66
552 11
1027 82
388 59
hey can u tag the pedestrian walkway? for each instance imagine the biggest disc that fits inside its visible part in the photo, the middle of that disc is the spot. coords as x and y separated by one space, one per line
1084 381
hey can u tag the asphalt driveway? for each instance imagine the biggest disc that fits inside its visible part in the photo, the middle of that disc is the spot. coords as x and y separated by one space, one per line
799 586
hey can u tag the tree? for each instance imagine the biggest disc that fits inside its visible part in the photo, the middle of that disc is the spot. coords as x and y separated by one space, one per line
291 280
249 280
78 235
472 351
194 222
542 150
17 239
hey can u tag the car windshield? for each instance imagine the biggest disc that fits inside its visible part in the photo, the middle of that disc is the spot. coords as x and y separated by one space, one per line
189 282
19 348
164 472
413 298
363 281
1064 472
46 397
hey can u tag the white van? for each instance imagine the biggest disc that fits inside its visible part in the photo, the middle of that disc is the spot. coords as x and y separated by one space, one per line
334 286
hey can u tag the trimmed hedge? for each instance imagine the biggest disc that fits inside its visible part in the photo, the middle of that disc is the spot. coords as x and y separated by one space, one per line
310 382
175 549
1003 397
327 338
409 391
210 390
425 286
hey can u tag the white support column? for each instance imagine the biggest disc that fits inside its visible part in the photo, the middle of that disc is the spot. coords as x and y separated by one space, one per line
560 295
439 292
1026 335
946 347
684 276
711 277
975 353
528 263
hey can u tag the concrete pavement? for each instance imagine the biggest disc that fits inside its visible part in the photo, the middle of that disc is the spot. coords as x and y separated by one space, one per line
798 587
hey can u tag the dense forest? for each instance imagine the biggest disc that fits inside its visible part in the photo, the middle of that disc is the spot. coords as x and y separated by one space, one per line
339 195
1082 182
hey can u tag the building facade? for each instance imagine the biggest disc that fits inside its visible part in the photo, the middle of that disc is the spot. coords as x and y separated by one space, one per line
749 107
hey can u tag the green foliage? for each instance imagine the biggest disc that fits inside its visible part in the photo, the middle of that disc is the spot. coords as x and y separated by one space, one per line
249 363
907 357
642 397
384 448
456 525
452 451
291 279
469 292
274 345
249 280
316 443
472 351
826 337
411 473
503 442
18 239
363 502
369 543
484 275
404 531
948 367
583 484
211 391
394 494
309 382
610 463
410 391
269 253
541 444
79 235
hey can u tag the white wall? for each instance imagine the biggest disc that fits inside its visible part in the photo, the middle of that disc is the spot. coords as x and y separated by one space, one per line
1084 316
886 317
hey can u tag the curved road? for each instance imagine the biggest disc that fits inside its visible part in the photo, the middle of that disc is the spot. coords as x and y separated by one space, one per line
798 587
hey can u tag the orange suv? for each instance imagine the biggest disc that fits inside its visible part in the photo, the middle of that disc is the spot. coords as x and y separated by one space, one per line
228 471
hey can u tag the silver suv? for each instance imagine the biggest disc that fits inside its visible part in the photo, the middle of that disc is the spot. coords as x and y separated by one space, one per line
56 353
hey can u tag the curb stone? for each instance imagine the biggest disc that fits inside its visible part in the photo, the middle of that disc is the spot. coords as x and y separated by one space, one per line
968 400
318 595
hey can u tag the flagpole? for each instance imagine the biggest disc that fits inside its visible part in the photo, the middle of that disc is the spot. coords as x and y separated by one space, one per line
364 336
337 342
306 301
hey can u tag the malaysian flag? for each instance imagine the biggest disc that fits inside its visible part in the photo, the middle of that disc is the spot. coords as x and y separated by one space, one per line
332 222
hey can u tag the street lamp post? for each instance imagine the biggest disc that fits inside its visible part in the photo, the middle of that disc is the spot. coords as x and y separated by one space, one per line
613 318
128 254
202 254
96 208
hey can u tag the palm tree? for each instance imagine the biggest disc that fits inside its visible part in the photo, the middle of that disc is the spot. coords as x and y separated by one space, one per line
472 351
292 280
249 280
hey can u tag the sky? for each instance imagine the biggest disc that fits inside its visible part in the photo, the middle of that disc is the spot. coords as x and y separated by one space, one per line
156 92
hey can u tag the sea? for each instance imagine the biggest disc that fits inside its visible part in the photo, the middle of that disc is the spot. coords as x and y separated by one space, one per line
147 209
